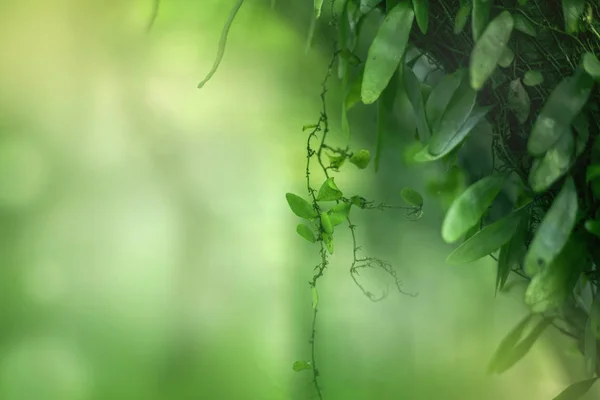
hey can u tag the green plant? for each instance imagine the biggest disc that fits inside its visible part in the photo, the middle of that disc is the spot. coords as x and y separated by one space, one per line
528 67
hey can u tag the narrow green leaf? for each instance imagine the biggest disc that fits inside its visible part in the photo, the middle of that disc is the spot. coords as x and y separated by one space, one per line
507 57
318 7
562 106
582 130
576 390
533 78
300 207
415 96
411 197
572 11
421 9
301 365
462 16
509 342
326 223
524 25
351 99
481 16
591 65
489 49
554 164
467 209
385 115
518 101
440 97
361 158
306 233
328 240
511 254
552 285
315 298
329 191
386 51
339 213
554 230
476 117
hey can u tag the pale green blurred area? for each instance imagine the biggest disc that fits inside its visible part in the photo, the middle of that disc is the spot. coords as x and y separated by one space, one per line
147 248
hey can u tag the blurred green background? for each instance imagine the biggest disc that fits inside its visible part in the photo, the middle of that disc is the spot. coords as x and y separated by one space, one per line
147 248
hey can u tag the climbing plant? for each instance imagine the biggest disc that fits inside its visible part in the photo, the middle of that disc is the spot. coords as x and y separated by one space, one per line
530 68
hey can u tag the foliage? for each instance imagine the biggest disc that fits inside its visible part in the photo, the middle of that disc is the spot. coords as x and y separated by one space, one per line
530 68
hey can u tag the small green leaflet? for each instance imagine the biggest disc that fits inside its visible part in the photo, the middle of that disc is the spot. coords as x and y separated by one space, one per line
552 285
562 106
486 241
476 117
489 49
591 65
511 254
411 197
335 162
361 158
462 16
467 209
507 57
318 7
421 9
328 240
300 207
533 78
306 233
440 97
523 24
301 365
315 298
415 96
553 165
518 101
511 350
554 230
326 223
481 15
572 11
385 113
576 390
329 191
386 51
593 227
339 213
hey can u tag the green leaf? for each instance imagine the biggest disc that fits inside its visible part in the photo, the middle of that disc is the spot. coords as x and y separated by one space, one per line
315 298
336 162
421 9
520 350
593 227
511 254
572 11
386 51
523 24
582 129
367 5
592 173
343 28
361 158
518 101
301 365
481 16
489 48
591 65
507 57
589 348
554 230
318 7
300 207
385 116
533 78
455 116
595 315
306 233
326 223
507 344
415 96
352 98
329 191
467 209
411 197
350 57
328 240
339 213
476 117
462 16
440 97
553 284
576 390
553 165
486 241
562 106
